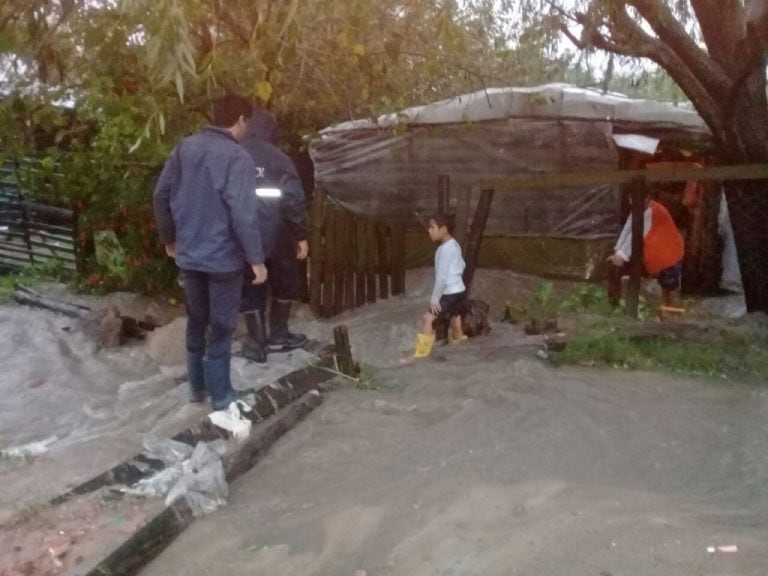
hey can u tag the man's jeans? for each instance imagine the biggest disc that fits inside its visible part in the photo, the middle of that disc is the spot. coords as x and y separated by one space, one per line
213 299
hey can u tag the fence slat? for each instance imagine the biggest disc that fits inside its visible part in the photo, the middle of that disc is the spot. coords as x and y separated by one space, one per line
316 249
350 232
329 263
383 261
397 260
339 263
361 268
371 261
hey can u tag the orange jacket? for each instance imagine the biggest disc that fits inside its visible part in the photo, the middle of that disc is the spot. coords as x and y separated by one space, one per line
663 246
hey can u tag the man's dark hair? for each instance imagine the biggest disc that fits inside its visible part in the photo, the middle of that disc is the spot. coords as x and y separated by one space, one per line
228 108
445 219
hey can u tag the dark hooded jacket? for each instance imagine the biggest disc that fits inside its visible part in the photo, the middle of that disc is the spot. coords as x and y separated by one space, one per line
204 203
282 221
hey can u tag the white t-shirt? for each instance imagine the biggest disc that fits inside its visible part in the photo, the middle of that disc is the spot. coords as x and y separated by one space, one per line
449 266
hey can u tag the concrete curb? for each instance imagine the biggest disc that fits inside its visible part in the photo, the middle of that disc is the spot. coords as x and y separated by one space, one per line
268 400
165 527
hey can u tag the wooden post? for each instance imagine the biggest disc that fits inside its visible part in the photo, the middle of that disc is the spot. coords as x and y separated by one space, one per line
637 194
343 351
443 193
339 261
360 262
350 233
329 263
316 250
383 268
462 215
398 259
370 261
476 233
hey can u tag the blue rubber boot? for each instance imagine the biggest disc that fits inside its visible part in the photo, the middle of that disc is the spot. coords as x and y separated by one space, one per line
196 376
218 382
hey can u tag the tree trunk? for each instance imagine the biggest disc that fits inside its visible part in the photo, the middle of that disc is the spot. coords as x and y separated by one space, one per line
748 207
747 141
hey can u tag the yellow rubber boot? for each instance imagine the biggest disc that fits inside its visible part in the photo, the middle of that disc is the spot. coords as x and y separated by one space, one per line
424 343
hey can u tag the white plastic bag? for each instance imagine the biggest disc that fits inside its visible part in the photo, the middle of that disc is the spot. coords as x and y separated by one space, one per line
232 420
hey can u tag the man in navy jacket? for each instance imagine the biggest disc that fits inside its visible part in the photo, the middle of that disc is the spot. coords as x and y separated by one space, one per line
207 218
282 218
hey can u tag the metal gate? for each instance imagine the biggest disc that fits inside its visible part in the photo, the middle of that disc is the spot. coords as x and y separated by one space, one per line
32 232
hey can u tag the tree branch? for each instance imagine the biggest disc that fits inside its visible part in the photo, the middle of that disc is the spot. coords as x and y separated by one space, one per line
629 39
225 16
723 26
669 30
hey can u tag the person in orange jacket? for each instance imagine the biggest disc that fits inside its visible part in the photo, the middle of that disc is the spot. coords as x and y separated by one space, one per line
663 249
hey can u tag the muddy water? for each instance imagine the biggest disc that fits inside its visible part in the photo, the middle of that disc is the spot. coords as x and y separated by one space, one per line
482 461
90 408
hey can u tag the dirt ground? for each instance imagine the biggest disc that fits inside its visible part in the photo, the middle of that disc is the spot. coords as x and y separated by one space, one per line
485 461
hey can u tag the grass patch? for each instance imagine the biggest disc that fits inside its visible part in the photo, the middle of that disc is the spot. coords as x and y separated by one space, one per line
732 358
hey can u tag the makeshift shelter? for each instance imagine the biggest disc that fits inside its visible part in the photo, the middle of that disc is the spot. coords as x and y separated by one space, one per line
388 168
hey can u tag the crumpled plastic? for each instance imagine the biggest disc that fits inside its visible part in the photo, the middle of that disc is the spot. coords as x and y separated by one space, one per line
199 477
158 484
232 420
28 450
203 482
168 451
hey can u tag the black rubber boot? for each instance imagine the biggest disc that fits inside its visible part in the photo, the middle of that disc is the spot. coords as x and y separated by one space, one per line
254 347
280 338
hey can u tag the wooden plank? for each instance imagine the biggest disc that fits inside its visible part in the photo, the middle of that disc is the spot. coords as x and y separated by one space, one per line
350 233
638 193
462 215
339 263
584 179
383 260
443 193
316 250
370 261
476 233
329 262
360 263
398 259
344 359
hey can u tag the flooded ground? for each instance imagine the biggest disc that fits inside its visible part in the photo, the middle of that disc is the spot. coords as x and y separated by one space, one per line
481 460
484 461
89 410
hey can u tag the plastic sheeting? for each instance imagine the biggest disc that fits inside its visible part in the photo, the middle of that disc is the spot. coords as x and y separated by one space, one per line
388 167
391 175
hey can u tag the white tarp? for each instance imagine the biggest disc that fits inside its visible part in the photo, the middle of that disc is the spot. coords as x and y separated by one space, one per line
548 101
389 168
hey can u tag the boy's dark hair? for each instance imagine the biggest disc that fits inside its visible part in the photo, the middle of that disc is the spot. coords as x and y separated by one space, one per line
228 108
444 219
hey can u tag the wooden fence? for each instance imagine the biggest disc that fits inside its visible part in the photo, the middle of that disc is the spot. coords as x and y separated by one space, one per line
353 261
31 232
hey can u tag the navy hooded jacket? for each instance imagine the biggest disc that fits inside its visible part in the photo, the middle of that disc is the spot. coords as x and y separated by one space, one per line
283 220
204 202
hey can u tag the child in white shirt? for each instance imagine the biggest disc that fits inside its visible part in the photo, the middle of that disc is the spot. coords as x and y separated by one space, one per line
449 294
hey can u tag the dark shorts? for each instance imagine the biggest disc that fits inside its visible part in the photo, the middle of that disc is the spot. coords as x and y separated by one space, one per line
669 278
282 279
452 305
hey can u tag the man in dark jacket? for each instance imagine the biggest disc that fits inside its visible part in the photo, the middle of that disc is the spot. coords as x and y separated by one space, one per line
282 217
207 218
